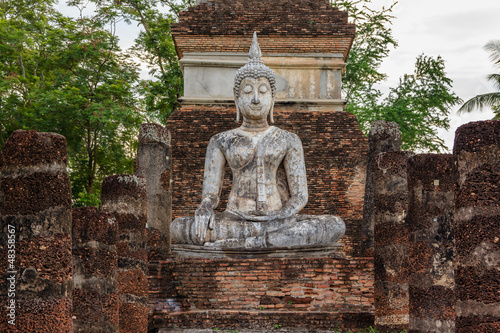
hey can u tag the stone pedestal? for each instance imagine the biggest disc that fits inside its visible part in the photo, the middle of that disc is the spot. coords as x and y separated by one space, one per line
262 294
477 222
391 241
125 197
384 137
35 237
431 232
95 264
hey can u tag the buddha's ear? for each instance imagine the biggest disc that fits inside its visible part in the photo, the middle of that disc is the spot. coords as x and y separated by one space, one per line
271 113
237 112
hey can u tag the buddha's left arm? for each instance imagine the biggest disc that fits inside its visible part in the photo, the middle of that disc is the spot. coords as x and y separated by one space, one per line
295 169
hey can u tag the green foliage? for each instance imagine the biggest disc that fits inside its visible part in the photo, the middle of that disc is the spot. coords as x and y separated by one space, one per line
154 46
420 104
68 76
85 199
491 100
371 46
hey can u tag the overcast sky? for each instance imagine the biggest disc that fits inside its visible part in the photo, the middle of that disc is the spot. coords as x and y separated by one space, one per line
455 29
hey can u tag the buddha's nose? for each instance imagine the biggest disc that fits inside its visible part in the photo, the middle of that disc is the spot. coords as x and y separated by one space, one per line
255 98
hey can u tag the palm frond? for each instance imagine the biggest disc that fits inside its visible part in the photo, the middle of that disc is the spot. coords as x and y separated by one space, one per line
481 101
495 78
493 47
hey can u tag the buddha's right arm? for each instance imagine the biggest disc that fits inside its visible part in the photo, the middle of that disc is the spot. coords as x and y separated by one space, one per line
213 175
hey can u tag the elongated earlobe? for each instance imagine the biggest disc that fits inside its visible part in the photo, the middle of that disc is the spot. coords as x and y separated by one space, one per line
271 116
237 113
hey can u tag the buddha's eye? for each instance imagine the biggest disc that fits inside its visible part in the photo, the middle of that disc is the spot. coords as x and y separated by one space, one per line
248 89
263 89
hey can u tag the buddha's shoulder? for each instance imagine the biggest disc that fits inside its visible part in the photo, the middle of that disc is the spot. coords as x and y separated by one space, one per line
226 134
287 135
223 138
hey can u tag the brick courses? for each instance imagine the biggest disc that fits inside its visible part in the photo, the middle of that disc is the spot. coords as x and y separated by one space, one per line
292 26
477 221
261 292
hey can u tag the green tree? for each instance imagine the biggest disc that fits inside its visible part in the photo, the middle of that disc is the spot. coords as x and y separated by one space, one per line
155 47
492 99
68 76
420 104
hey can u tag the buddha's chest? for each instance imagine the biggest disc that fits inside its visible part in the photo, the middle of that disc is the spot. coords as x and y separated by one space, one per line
249 151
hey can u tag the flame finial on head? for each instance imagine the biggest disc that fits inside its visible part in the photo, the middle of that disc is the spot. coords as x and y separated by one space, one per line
254 68
255 53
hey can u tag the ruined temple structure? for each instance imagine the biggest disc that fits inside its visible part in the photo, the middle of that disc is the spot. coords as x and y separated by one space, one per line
306 44
421 249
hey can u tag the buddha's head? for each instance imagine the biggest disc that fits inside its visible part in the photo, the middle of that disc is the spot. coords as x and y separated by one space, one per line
254 87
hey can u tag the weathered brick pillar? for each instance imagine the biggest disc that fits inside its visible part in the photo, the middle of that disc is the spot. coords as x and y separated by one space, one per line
35 224
391 241
95 264
431 232
153 164
384 136
477 227
125 197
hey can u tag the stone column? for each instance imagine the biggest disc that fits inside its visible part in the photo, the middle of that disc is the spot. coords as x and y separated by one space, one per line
95 264
391 241
125 197
384 136
153 164
35 238
477 227
431 232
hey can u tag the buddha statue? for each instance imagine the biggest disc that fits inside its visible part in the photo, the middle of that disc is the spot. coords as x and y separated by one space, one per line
269 186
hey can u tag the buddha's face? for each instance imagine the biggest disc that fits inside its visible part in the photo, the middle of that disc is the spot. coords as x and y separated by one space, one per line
255 98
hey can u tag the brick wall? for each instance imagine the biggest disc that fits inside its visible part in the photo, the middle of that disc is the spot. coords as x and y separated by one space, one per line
269 45
262 292
304 25
335 153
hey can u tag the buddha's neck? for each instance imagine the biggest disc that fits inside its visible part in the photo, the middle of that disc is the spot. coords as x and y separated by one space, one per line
254 125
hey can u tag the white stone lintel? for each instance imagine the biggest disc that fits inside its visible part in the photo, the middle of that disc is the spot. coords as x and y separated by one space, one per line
286 60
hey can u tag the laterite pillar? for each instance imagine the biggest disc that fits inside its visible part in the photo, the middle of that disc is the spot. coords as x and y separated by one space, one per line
477 222
431 231
35 237
391 241
125 197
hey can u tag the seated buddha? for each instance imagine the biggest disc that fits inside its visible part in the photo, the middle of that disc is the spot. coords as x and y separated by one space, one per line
269 186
